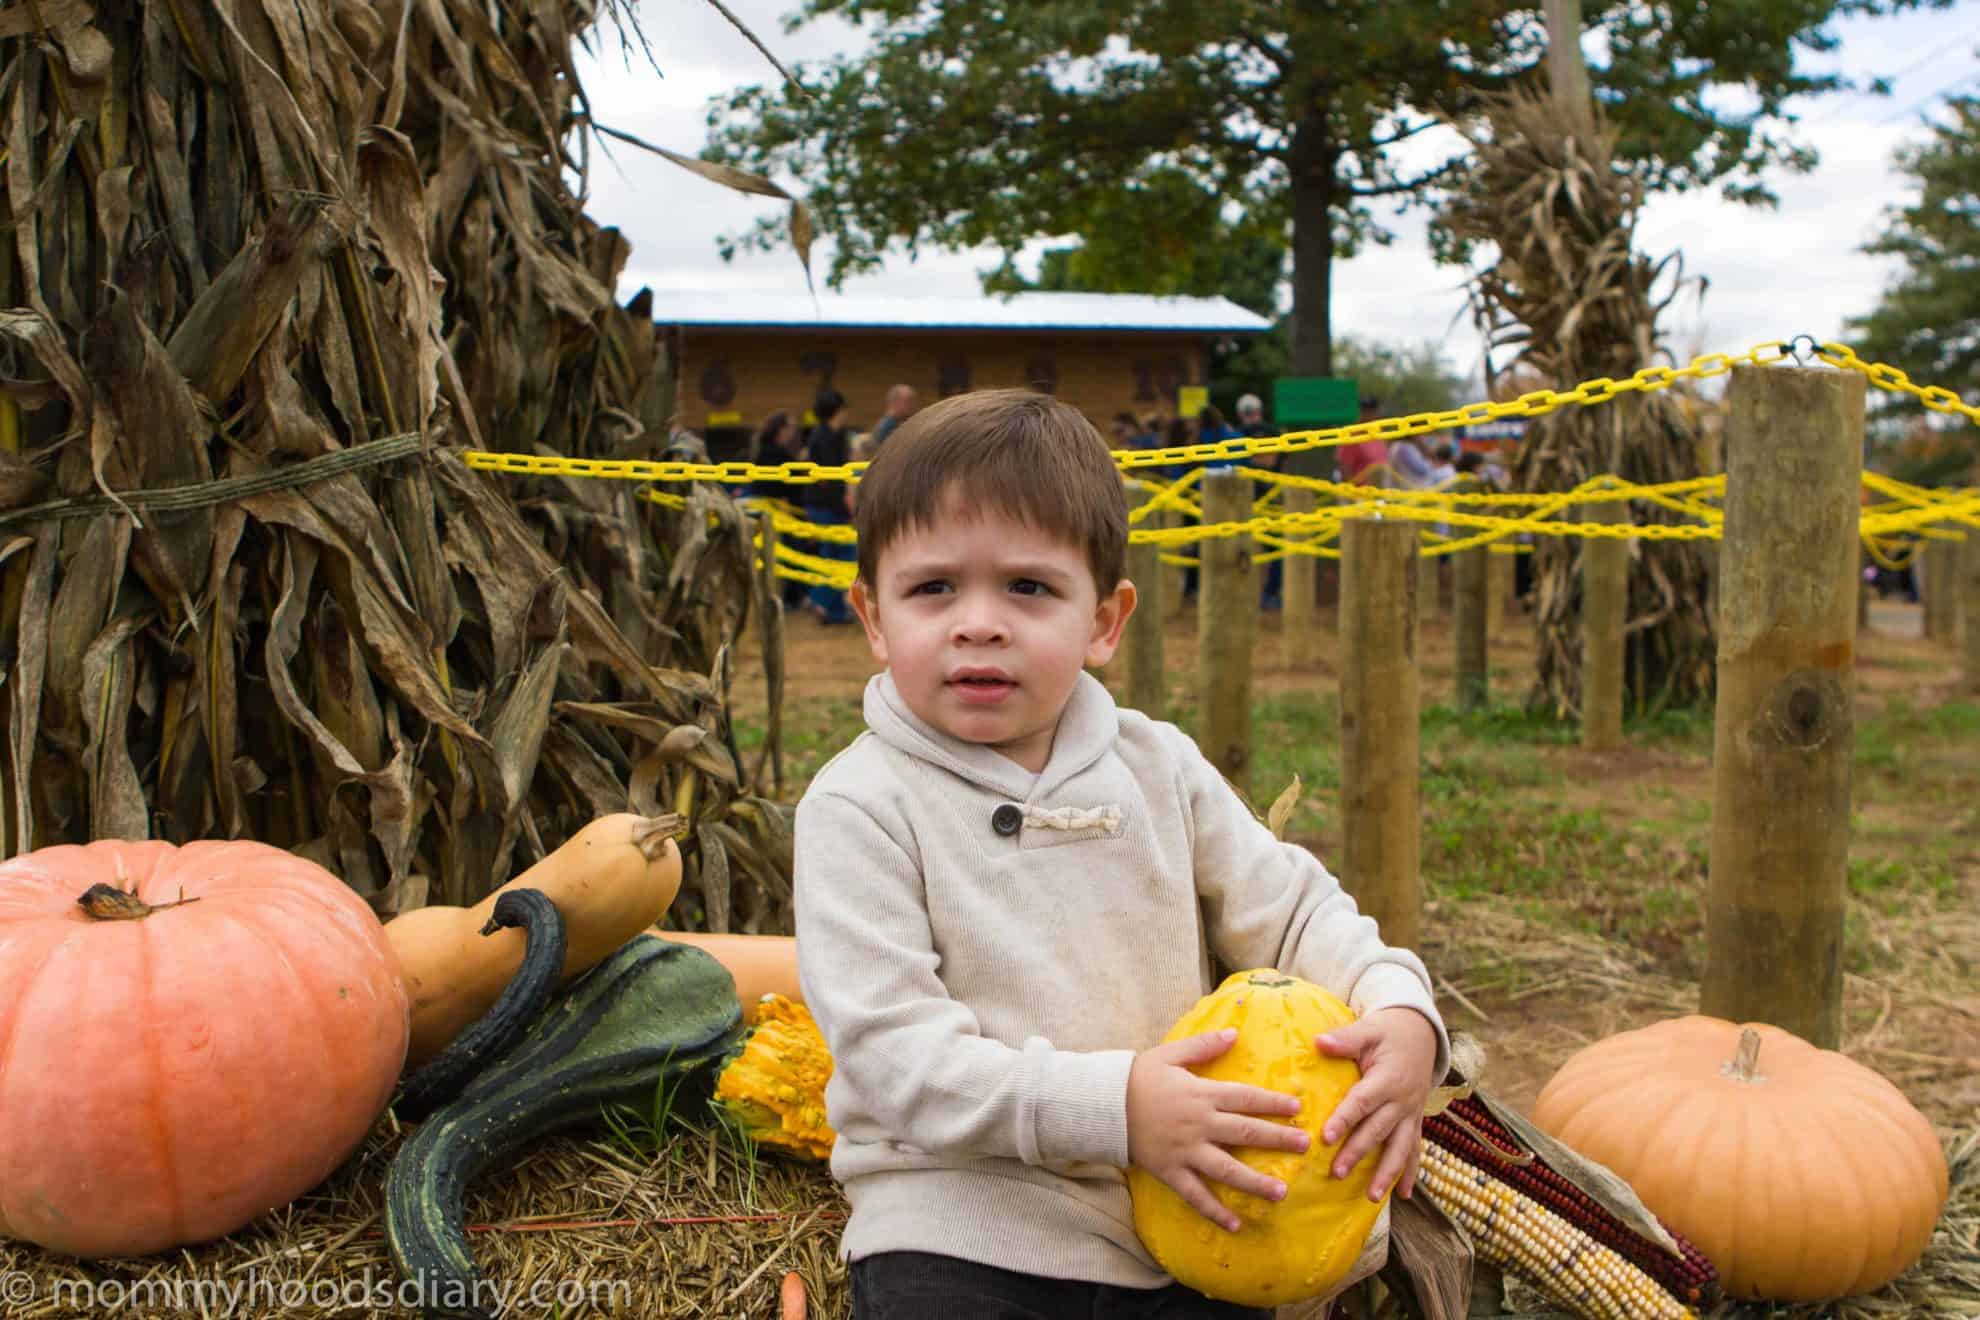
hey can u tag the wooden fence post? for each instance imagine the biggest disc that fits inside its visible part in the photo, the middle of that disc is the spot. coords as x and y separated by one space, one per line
1380 696
1471 585
1785 722
1145 688
770 605
1969 605
1427 604
1863 564
1227 613
1940 560
1174 576
1604 613
1298 611
1501 572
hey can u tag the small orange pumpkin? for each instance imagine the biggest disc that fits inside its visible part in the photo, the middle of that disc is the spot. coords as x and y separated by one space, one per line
189 1037
1801 1174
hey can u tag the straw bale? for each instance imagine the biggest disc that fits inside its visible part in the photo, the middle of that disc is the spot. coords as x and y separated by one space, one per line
590 1222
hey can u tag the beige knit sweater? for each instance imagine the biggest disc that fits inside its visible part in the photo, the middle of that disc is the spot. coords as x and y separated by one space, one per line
985 950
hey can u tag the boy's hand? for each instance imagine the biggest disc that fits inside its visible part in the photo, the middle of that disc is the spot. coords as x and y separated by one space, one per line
1396 1049
1180 1126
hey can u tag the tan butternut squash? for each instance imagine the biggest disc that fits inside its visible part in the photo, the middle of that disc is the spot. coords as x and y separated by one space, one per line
609 881
762 964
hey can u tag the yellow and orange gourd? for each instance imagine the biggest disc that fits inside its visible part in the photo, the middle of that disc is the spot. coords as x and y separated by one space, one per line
1307 1244
773 1087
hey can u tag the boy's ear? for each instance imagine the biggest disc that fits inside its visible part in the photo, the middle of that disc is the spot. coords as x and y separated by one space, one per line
1109 622
869 618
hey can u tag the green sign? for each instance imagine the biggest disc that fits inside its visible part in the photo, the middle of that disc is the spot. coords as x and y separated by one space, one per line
1315 401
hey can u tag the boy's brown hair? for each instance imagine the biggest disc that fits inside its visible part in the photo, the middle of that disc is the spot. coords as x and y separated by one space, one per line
1016 452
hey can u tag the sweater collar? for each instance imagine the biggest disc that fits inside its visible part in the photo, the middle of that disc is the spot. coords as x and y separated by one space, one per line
1088 726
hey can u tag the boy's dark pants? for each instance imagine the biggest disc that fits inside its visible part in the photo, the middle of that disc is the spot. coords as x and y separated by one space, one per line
916 1285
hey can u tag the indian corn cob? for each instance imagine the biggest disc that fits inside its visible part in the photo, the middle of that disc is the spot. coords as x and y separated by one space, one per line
1515 1232
1468 1130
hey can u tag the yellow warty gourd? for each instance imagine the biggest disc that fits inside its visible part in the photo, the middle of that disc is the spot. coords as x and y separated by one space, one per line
1305 1245
773 1086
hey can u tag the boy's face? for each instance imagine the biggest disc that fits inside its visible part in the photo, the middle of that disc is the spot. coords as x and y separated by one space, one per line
985 624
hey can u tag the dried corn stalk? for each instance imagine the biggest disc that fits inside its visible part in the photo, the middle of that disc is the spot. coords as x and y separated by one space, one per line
1569 291
280 259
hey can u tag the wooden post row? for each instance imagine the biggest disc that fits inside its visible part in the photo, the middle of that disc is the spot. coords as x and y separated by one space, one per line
1174 576
1227 614
1501 571
1969 606
1146 691
1297 619
1785 720
1470 586
1380 696
1604 614
1472 620
1940 562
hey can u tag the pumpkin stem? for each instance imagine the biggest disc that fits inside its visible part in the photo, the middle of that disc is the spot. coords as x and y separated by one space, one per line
651 834
1745 1064
108 903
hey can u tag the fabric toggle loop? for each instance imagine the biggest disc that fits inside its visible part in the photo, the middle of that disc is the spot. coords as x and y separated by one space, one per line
1106 818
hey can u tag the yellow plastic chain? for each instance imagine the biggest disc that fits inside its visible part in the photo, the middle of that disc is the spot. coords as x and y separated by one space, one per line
1907 509
1533 404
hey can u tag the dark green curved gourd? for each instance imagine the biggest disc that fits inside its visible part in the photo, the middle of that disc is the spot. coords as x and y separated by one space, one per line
654 1012
448 1073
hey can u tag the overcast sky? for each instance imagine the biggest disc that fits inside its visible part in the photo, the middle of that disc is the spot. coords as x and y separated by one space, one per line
1772 273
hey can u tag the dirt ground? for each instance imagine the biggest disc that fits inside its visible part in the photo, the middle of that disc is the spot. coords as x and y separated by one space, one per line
1918 1024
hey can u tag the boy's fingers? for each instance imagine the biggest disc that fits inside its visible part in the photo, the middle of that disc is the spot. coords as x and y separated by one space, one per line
1200 1048
1258 1133
1240 1098
1369 1134
1201 1199
1343 1042
1395 1159
1231 1171
1406 1187
1362 1099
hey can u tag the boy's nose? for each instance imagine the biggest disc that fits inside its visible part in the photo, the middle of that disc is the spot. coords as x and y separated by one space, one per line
980 624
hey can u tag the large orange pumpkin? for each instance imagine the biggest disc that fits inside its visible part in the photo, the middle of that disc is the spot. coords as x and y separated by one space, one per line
189 1037
1801 1174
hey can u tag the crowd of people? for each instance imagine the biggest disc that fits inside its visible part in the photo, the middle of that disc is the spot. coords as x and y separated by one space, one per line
824 436
784 437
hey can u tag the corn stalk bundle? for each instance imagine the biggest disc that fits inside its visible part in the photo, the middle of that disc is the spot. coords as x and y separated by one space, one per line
270 265
1569 292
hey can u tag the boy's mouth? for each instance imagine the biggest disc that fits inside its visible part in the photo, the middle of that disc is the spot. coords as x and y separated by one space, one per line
982 685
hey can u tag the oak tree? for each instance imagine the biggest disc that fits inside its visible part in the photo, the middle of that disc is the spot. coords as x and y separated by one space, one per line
966 123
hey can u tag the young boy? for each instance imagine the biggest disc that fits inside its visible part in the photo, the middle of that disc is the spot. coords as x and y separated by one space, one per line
1008 889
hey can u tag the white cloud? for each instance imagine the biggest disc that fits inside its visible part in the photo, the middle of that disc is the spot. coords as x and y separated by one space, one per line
1772 273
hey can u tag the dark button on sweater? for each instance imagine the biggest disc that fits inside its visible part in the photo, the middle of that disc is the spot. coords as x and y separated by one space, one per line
1006 819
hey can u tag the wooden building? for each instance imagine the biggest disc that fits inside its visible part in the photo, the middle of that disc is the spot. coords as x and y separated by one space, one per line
744 355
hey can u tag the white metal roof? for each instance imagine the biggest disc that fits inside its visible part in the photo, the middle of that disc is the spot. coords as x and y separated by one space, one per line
1020 311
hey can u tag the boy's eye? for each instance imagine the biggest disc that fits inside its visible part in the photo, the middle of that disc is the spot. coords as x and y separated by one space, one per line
934 586
1030 587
